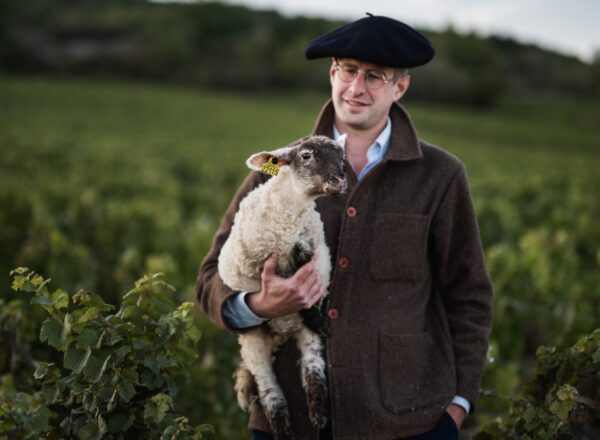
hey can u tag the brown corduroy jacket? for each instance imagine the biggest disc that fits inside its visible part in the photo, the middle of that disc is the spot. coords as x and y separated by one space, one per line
410 301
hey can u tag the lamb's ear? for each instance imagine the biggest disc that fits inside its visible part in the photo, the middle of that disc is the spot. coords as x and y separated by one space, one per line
342 140
283 156
256 161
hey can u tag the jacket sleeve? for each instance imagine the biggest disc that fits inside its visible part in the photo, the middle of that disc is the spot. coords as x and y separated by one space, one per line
211 292
461 277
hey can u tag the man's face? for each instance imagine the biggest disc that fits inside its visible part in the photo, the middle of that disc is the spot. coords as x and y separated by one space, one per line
358 106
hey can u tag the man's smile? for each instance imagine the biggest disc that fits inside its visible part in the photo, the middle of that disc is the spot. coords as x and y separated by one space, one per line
355 104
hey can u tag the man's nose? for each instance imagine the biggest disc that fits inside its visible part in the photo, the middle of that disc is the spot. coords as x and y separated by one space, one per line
358 85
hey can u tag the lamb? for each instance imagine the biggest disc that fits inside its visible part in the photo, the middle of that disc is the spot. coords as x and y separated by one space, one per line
279 217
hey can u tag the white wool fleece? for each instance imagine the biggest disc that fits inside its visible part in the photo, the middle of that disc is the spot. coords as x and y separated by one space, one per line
272 219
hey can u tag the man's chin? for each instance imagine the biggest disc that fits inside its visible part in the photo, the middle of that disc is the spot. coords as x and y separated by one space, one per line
355 123
352 119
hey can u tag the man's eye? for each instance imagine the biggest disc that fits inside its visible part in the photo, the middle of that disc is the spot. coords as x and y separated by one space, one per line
350 70
375 75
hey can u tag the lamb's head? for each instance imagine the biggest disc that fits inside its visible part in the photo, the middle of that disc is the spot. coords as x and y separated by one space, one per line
316 164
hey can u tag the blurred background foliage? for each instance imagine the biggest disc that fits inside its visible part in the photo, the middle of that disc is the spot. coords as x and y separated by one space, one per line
226 46
124 126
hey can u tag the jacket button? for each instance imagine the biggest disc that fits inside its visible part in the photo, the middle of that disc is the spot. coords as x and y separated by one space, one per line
351 211
343 262
333 313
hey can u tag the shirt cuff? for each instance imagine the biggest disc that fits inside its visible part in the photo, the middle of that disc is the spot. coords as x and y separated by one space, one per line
238 315
461 401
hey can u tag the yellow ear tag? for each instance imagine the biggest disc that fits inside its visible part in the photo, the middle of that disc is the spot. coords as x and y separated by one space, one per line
271 167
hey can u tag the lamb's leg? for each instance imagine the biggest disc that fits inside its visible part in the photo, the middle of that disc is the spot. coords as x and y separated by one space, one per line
245 387
257 351
314 382
312 318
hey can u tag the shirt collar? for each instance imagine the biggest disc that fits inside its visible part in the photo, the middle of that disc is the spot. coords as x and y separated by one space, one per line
378 149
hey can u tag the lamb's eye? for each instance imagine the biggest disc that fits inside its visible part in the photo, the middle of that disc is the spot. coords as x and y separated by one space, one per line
306 156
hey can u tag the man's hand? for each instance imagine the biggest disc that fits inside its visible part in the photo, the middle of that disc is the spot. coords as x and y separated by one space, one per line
281 296
457 413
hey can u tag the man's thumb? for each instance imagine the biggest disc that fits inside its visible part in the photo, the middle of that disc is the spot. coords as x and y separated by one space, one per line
270 264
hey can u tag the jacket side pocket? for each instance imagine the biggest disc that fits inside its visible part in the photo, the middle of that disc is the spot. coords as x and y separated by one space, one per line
412 372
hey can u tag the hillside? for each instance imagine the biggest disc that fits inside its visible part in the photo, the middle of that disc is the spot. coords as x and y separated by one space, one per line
225 46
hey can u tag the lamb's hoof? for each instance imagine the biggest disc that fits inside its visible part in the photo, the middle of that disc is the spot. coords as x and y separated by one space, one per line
280 423
245 388
317 402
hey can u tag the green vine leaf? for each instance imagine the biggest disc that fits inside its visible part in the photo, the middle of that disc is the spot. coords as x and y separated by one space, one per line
113 363
51 332
76 359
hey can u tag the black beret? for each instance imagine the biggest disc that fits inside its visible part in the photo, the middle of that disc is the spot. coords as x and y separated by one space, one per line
374 39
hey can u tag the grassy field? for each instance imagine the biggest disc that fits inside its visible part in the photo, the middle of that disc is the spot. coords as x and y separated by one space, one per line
101 182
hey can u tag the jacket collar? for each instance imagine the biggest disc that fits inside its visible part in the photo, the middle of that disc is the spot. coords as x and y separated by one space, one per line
404 144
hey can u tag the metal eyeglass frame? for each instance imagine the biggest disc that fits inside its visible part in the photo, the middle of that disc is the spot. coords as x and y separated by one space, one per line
337 66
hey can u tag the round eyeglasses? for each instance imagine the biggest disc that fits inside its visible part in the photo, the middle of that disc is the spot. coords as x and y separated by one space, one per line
375 79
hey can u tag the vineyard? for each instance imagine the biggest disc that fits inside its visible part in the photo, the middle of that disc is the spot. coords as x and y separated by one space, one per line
104 182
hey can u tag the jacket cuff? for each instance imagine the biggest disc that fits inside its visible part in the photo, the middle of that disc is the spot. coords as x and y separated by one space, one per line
237 314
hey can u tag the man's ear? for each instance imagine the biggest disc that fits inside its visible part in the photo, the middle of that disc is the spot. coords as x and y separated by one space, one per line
332 71
401 86
283 156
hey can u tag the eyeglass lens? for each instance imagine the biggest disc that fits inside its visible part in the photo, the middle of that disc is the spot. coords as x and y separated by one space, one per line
373 78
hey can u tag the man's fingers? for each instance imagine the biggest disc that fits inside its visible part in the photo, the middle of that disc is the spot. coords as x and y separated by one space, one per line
313 283
314 300
303 273
314 292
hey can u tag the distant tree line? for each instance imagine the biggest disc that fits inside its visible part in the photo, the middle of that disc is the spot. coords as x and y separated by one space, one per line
217 45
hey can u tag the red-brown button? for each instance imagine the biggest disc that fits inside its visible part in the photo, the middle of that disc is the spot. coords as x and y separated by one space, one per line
351 211
333 313
343 262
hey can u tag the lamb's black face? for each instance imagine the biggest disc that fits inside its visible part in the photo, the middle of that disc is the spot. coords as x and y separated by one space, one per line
319 163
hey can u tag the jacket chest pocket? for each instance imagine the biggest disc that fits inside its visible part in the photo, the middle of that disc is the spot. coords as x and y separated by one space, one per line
399 247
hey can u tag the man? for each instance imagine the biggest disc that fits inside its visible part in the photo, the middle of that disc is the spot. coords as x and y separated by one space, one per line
410 300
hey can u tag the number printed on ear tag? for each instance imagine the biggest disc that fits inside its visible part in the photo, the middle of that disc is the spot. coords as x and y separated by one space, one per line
270 167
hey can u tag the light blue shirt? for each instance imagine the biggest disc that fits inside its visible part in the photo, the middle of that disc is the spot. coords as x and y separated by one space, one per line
377 151
235 309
